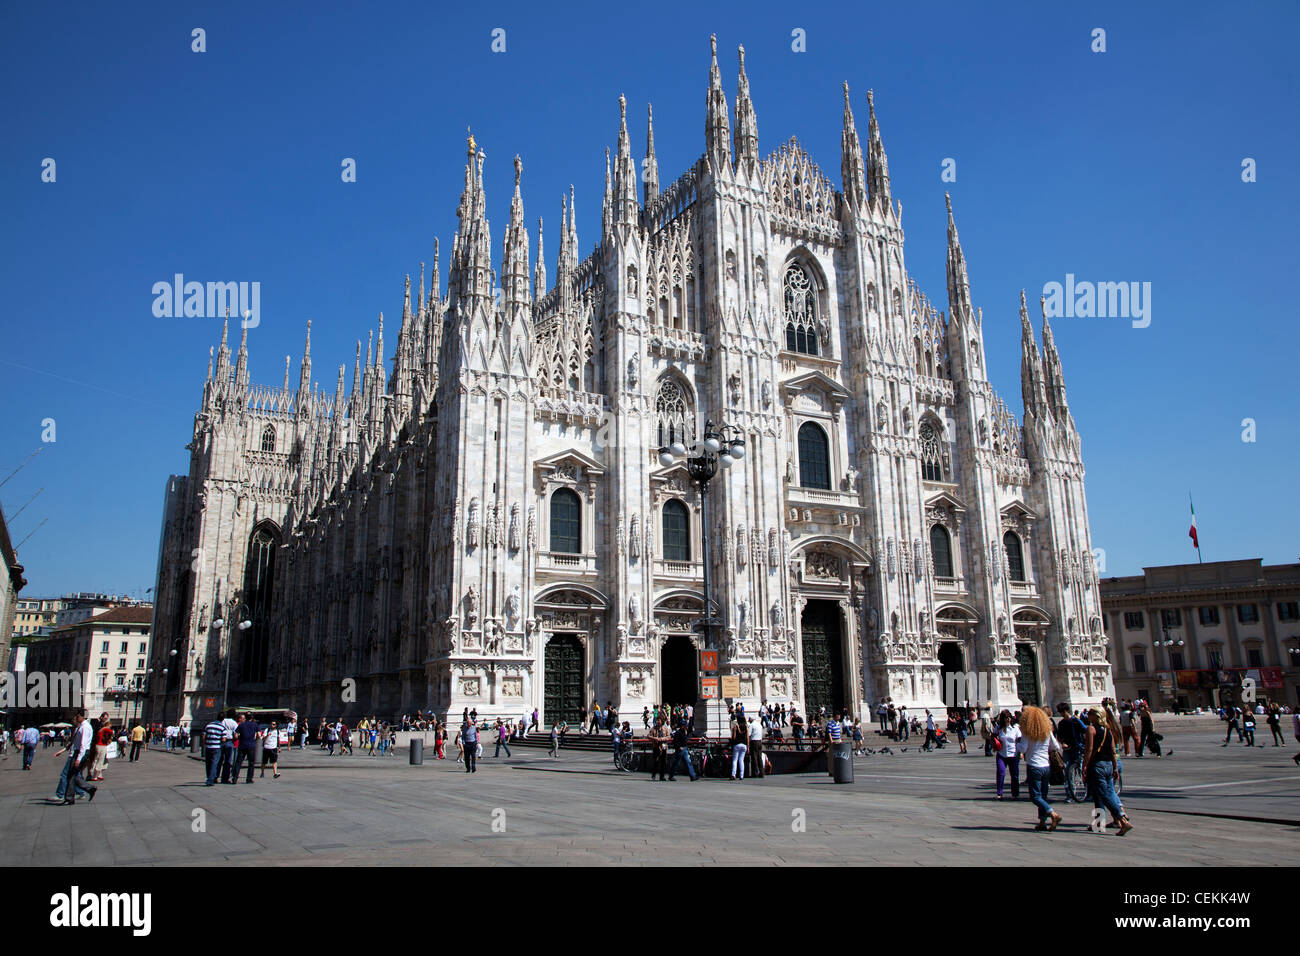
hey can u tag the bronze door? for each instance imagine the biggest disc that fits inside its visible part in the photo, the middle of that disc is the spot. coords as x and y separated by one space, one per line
564 679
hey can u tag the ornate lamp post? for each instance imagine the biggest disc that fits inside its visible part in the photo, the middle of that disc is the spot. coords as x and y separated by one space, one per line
722 445
1168 644
237 612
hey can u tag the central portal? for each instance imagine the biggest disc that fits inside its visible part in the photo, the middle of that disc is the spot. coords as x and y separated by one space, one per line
823 658
1027 675
564 680
680 671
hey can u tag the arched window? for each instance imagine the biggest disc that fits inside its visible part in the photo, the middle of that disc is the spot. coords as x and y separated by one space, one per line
941 550
931 453
566 522
1015 556
675 420
259 576
814 457
268 438
800 311
677 531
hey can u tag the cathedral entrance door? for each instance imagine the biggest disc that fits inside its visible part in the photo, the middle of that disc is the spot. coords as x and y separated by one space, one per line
952 676
680 671
564 679
823 657
1027 675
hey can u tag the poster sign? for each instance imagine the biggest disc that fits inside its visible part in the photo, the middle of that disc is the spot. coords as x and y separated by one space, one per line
1271 677
709 661
709 688
731 686
209 702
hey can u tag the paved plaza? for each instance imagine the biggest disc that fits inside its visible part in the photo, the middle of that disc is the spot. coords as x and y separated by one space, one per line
1203 806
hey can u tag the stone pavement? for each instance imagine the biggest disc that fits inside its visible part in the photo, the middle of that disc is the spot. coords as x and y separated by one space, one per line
530 809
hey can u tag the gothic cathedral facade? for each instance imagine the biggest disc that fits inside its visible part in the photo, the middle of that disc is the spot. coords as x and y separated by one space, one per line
490 526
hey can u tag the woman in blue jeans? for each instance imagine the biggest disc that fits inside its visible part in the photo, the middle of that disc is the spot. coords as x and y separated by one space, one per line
1037 743
1007 748
1099 766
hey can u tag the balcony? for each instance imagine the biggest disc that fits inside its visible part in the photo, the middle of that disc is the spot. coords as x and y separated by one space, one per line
681 570
566 563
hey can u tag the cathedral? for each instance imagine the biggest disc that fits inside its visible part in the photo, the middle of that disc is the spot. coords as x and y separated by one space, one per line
490 523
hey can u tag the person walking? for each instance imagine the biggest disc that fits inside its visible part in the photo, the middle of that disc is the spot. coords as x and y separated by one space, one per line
469 740
1248 727
904 731
882 714
1006 740
503 739
137 741
1295 731
1274 720
31 737
659 737
1151 740
1036 743
755 749
739 747
1071 734
81 753
247 733
1231 718
213 734
103 740
1127 730
681 740
986 732
555 740
270 751
1099 767
228 727
930 738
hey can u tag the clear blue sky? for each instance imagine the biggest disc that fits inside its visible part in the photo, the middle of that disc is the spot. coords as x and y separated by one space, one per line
1123 165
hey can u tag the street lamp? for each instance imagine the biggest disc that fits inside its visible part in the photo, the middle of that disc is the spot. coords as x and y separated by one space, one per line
1168 644
239 612
722 445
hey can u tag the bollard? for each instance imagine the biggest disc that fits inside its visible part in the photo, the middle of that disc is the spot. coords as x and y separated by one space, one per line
842 761
196 743
417 752
258 746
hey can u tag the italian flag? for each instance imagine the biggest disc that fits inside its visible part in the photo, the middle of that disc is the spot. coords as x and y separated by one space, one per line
1191 532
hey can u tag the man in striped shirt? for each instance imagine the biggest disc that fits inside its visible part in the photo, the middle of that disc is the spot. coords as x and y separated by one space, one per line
833 730
212 737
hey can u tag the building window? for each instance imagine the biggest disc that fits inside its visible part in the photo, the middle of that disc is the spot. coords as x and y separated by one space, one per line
100 681
931 453
941 550
677 531
1209 616
104 648
1214 658
259 573
676 423
566 522
1254 657
121 662
103 662
123 650
1247 614
1171 617
1176 660
1139 663
1134 621
268 438
1288 611
144 648
814 457
139 664
1015 556
800 312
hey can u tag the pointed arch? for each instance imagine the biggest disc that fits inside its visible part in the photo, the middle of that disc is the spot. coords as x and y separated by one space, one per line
675 410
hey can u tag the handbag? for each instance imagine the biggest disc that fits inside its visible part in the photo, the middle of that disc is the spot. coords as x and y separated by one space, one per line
997 743
1057 762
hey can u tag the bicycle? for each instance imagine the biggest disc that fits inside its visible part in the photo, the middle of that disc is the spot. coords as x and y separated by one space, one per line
626 759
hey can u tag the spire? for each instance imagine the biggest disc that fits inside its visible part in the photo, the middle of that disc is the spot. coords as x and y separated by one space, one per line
852 168
355 398
959 305
717 145
1031 370
607 205
539 276
338 393
573 220
514 269
406 302
627 211
223 353
287 361
304 374
419 299
650 168
877 164
746 122
434 278
379 350
209 363
1053 376
473 254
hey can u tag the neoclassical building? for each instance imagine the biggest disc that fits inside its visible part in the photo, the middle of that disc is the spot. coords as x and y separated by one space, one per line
489 525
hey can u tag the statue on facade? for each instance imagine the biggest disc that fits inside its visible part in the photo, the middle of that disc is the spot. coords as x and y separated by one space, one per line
634 613
471 606
513 609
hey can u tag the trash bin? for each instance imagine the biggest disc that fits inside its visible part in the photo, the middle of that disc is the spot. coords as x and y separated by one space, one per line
842 761
830 758
417 751
196 743
258 745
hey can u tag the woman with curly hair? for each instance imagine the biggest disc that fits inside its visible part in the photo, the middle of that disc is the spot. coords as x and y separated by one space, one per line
1037 743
